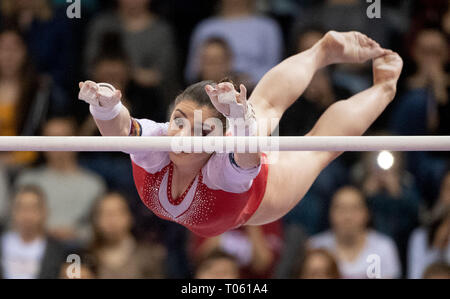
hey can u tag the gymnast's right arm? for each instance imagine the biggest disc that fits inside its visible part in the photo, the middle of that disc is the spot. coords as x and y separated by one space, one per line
111 117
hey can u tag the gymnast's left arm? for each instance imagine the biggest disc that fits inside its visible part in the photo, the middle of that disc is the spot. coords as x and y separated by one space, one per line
352 117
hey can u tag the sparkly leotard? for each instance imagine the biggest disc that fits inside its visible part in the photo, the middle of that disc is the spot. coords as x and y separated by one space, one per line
221 197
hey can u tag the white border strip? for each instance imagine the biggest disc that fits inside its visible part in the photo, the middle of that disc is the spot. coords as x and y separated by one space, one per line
225 144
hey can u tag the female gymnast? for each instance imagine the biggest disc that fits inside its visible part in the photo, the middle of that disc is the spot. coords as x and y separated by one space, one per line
213 193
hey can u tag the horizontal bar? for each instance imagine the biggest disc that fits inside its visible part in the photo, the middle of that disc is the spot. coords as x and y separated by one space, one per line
225 144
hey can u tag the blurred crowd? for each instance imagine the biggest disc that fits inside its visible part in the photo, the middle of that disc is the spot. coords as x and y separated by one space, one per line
359 219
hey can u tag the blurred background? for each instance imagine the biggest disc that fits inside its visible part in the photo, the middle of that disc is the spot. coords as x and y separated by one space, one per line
391 206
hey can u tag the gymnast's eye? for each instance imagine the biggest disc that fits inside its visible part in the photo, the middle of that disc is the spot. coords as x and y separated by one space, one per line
179 122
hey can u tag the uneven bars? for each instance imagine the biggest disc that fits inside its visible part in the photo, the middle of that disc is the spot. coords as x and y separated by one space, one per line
225 144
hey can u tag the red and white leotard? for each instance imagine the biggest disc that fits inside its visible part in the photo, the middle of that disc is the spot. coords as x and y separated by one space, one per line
222 196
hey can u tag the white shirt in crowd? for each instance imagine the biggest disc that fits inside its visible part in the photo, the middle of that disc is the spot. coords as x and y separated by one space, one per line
420 255
378 248
21 260
69 196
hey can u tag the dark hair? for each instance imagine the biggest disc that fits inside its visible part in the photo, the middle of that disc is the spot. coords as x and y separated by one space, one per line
221 42
333 268
98 241
111 48
439 268
213 256
29 82
197 94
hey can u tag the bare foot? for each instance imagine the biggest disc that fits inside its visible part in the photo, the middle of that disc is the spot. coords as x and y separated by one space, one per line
350 47
387 68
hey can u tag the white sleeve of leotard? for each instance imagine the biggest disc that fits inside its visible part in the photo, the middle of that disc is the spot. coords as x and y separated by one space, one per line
221 174
152 162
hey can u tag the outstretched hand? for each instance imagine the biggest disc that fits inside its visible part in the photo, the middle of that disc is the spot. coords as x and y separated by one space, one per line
99 96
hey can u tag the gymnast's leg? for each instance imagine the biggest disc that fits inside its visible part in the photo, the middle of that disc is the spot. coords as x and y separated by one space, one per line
294 173
286 82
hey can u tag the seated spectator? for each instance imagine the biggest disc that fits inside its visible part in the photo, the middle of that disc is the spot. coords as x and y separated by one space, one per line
390 192
23 100
352 242
217 265
112 66
431 243
27 251
48 35
148 42
71 190
216 63
319 264
437 271
255 248
4 196
424 107
114 250
255 41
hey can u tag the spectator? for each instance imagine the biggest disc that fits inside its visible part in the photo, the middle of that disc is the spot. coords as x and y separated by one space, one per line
430 244
256 41
113 66
390 193
422 110
352 242
218 265
23 100
116 252
437 271
148 42
256 249
70 189
216 62
27 251
319 264
4 196
48 34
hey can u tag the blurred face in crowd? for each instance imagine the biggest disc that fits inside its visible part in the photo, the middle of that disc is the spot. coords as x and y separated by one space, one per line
182 124
134 5
215 62
444 195
59 127
430 49
319 265
307 40
218 268
348 214
12 54
114 72
28 214
442 234
113 218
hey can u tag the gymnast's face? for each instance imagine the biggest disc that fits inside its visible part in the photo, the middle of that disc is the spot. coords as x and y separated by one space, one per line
190 119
